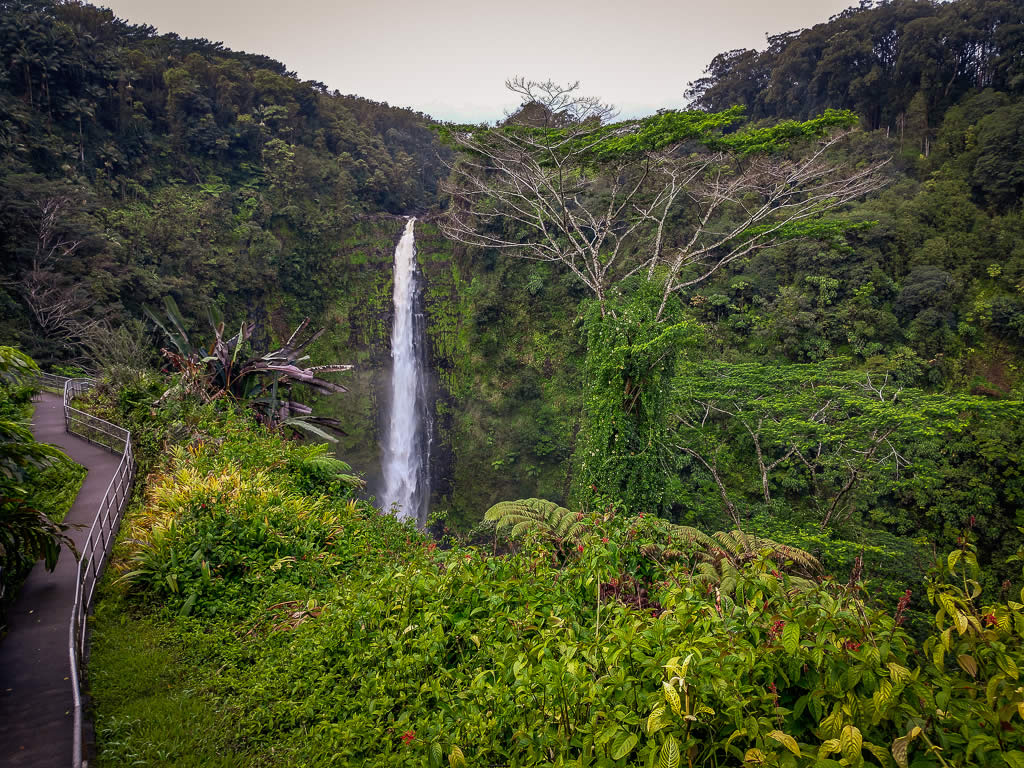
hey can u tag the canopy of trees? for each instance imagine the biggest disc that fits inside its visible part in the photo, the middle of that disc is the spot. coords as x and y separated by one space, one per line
135 164
899 64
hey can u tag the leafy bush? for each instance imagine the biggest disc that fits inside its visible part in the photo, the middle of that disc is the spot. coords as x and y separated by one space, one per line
336 635
38 483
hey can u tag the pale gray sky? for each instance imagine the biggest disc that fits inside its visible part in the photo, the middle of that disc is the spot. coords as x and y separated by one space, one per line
450 58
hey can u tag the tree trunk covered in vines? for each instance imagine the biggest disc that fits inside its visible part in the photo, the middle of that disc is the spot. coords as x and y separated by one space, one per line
623 452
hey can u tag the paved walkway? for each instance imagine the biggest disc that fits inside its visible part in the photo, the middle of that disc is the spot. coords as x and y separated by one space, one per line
36 709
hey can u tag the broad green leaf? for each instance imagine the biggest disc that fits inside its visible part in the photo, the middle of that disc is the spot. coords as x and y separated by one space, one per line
456 759
881 755
832 725
992 688
1008 665
735 735
1014 759
899 750
669 757
898 673
947 638
828 747
960 619
624 745
883 694
791 637
671 696
851 742
951 561
967 664
787 741
755 756
656 720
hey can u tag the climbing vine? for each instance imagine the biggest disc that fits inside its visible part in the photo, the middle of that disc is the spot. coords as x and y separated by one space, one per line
622 450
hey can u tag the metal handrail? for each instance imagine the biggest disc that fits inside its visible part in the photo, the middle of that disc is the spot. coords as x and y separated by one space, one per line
51 380
100 540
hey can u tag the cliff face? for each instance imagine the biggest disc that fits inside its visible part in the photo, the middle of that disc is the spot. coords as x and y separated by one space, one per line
500 348
357 320
502 351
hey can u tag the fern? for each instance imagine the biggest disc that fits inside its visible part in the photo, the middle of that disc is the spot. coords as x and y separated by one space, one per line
536 516
741 547
720 555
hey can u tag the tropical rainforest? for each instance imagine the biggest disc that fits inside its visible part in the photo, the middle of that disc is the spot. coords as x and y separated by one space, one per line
727 422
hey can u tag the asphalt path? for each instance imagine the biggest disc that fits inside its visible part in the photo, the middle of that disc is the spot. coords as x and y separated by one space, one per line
36 707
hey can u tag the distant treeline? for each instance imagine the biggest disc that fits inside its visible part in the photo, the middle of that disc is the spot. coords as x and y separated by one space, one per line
134 164
899 64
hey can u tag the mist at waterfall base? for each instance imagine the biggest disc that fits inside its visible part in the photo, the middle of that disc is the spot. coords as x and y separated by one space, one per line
404 458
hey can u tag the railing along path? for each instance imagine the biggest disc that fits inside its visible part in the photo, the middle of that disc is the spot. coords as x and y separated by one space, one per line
93 553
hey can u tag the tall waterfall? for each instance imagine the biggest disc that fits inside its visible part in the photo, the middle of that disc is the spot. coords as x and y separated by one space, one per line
405 453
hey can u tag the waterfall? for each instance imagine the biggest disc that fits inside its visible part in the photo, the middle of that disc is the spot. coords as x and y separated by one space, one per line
405 453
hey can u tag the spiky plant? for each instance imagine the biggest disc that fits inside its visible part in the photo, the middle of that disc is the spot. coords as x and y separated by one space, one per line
721 554
541 517
265 382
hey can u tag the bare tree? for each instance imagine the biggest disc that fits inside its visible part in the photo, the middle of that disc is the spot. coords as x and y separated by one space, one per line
667 197
61 309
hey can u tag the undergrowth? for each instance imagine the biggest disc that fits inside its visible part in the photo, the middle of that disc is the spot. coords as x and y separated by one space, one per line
257 614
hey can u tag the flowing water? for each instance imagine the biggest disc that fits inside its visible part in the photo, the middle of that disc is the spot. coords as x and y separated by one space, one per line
405 453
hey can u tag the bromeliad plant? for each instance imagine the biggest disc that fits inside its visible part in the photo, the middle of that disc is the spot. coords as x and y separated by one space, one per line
265 382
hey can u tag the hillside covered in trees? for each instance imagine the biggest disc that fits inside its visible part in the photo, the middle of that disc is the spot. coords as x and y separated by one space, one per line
920 290
137 165
718 487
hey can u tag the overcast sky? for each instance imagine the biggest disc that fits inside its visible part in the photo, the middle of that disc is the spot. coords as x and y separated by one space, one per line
450 58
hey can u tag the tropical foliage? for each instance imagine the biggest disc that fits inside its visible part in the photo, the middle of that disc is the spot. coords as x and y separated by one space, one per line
136 164
839 401
327 629
538 517
30 472
264 381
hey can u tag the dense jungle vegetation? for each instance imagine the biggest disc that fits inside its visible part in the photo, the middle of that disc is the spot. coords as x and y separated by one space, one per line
38 483
785 514
261 615
137 165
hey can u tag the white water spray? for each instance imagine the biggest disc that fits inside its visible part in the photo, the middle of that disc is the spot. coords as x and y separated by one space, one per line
405 477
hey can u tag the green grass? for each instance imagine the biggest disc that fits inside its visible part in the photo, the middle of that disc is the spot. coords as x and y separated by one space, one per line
53 489
149 706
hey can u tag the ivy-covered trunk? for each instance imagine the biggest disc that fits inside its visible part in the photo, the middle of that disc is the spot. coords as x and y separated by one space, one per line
623 452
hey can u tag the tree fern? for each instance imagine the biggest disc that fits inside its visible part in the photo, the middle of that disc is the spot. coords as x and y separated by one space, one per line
539 516
741 547
732 547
